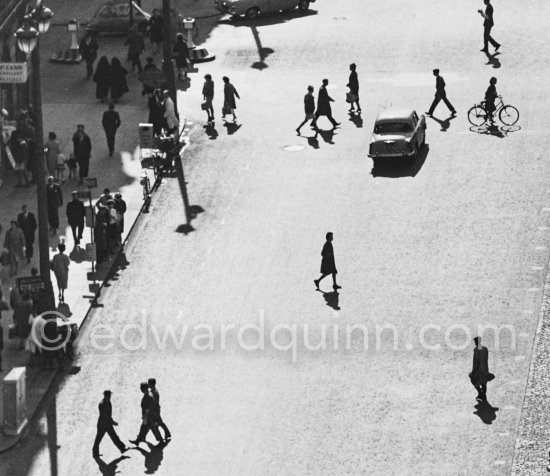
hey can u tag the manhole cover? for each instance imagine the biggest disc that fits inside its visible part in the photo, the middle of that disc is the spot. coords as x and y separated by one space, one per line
293 148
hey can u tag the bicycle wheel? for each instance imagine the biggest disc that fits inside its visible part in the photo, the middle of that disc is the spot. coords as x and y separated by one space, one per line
477 115
509 115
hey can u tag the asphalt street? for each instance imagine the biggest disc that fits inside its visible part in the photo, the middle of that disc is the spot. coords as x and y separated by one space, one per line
457 240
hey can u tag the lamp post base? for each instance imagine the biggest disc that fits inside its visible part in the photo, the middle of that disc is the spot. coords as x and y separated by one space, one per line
200 55
70 56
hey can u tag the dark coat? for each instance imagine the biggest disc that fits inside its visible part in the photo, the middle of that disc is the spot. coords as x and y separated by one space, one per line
54 196
181 52
155 28
119 85
328 265
88 51
229 93
323 102
102 77
82 146
135 43
353 83
309 103
27 225
480 367
440 86
110 120
489 14
156 114
105 419
76 211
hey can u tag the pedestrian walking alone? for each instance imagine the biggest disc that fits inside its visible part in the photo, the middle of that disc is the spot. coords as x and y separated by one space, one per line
21 155
88 50
148 415
309 108
488 24
480 375
102 78
229 94
156 111
353 85
118 83
172 122
149 66
328 265
440 94
60 267
136 46
156 26
53 149
106 424
75 216
54 198
27 223
111 123
21 318
181 53
14 242
156 396
323 105
82 150
208 96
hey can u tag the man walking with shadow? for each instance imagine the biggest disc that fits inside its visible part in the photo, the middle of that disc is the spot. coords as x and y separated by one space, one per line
440 94
110 123
328 266
309 108
155 393
27 223
323 106
480 375
75 216
149 416
488 24
106 424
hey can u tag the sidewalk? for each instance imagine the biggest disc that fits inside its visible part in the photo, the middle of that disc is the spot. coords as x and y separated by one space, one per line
68 99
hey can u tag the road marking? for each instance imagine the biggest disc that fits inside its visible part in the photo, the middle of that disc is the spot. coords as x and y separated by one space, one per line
541 248
527 311
546 209
537 268
504 434
544 228
519 358
524 334
515 382
533 290
209 250
222 222
500 462
247 166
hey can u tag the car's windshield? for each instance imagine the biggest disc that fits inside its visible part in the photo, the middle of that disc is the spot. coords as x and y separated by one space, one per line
392 128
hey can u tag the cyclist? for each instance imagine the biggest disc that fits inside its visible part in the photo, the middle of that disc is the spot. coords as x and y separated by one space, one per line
490 97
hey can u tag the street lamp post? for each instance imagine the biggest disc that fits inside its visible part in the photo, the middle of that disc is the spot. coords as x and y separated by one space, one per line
27 41
168 62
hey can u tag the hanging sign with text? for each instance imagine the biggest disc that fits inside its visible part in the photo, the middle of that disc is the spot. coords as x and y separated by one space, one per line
13 72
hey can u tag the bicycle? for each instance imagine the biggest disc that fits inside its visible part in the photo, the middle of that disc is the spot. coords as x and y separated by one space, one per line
478 114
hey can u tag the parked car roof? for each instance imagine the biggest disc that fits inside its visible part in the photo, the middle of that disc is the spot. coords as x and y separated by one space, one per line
394 114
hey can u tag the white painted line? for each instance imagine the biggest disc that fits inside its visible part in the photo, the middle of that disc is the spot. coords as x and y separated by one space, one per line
527 311
533 290
209 250
504 434
525 335
546 209
537 268
500 462
222 222
515 382
544 228
541 248
519 358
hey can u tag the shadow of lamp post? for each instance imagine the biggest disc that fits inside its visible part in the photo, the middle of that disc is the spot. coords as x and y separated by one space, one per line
36 22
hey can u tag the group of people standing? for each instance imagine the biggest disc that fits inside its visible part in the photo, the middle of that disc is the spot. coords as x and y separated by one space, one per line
108 224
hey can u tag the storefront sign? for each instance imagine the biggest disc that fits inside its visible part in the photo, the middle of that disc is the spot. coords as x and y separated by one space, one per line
13 72
31 284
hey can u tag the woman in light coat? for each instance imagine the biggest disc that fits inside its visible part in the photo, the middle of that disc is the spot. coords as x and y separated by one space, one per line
172 123
14 242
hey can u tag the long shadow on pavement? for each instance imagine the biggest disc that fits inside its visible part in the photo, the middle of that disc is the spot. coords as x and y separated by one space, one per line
356 119
332 299
397 168
109 469
486 412
444 123
153 458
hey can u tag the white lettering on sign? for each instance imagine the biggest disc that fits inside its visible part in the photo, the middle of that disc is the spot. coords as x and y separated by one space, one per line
13 72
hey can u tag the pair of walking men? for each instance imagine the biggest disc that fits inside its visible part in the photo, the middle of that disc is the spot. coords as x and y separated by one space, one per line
151 419
323 107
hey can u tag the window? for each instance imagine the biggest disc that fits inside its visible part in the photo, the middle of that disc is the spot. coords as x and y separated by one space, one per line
392 128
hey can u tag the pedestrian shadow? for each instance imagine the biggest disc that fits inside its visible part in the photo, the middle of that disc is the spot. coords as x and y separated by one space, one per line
153 457
231 127
356 119
492 60
211 131
332 299
327 135
109 469
311 140
486 412
444 123
399 167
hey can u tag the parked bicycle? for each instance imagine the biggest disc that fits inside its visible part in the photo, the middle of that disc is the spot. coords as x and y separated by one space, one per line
478 114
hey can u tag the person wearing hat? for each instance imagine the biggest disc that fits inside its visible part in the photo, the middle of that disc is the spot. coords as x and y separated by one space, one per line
82 150
120 207
106 424
111 123
75 216
480 375
54 197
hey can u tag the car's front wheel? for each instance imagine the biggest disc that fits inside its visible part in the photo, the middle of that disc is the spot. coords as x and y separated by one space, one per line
252 13
303 5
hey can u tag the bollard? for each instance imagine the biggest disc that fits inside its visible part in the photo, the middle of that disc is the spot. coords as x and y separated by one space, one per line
15 401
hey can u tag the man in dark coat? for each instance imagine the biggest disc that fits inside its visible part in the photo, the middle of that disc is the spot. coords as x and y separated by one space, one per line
136 46
120 207
82 150
488 24
309 108
27 223
106 424
328 266
480 375
75 216
323 105
55 200
156 26
88 50
110 122
156 396
149 416
440 94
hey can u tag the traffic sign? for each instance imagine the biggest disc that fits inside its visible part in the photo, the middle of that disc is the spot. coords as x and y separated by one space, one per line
91 182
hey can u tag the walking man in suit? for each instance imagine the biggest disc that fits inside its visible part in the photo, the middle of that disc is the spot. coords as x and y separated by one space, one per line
328 266
27 223
75 216
88 50
480 375
54 199
323 105
488 24
106 424
440 94
82 150
149 416
111 122
155 394
309 108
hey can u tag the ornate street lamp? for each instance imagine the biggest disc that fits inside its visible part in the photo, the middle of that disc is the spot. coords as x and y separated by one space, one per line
36 22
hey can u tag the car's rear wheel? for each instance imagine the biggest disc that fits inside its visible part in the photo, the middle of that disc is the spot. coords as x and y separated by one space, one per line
252 13
303 5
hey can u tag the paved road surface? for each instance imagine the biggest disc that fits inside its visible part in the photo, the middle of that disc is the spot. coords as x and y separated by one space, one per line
454 241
